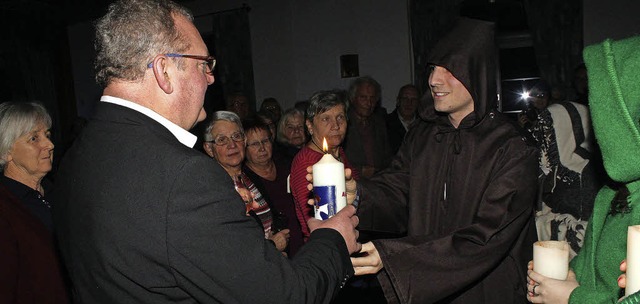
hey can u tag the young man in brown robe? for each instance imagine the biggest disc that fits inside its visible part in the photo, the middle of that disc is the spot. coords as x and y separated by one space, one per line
462 186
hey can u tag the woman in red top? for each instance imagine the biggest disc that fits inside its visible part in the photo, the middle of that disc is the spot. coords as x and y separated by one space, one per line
326 119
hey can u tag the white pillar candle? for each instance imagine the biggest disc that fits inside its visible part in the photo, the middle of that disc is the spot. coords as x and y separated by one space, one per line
551 259
633 260
328 187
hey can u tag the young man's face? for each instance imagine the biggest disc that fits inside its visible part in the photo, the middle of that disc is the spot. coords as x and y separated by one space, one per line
450 95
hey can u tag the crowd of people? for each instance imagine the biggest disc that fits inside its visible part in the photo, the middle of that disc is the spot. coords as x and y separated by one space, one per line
450 194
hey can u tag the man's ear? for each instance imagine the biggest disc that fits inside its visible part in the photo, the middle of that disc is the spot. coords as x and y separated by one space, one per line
160 66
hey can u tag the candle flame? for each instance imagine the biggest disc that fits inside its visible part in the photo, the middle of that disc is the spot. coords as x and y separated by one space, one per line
325 146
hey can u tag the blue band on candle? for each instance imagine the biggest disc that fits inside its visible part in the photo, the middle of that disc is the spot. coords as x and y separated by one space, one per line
325 196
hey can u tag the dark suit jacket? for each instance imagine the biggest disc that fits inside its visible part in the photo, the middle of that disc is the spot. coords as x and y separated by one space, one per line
29 267
144 219
395 131
354 147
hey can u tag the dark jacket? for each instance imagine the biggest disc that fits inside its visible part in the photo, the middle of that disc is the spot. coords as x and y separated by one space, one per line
29 267
395 131
465 196
354 146
141 218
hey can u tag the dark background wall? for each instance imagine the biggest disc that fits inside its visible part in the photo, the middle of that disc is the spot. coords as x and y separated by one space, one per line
38 60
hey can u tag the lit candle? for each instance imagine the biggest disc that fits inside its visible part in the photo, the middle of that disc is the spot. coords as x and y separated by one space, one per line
328 185
551 259
633 260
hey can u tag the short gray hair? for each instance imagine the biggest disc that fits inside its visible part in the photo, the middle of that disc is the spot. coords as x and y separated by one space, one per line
322 101
16 120
218 116
288 114
361 81
132 33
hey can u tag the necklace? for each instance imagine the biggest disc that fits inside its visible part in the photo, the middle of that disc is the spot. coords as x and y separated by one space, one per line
44 201
321 151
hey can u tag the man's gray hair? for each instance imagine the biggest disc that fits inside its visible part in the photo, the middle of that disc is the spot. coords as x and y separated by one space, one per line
132 33
322 101
218 116
282 124
364 80
16 120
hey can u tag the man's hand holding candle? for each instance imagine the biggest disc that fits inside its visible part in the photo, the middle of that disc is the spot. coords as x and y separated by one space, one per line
345 222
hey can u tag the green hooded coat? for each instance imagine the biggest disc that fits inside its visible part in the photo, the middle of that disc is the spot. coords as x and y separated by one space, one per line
614 95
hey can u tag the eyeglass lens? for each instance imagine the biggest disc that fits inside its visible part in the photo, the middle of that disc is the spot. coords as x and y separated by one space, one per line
258 144
223 140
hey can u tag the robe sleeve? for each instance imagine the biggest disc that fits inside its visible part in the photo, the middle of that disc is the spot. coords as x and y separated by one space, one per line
426 269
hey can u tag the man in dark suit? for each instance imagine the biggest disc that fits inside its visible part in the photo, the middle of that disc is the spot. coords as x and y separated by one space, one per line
366 143
144 218
403 117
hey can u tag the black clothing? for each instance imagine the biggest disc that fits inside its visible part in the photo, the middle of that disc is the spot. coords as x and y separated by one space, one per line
166 226
37 204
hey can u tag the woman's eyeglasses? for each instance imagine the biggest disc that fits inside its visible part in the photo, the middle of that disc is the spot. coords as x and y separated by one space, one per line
222 140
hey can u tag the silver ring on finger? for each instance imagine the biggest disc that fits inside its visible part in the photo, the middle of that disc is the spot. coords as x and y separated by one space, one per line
534 290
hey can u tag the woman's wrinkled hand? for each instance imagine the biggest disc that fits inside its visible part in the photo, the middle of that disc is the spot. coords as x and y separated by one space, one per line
281 239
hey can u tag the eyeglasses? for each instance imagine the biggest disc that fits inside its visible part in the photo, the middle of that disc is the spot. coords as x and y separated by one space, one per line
210 61
259 144
222 140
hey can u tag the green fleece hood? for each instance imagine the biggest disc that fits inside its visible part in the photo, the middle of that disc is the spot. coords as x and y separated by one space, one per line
614 98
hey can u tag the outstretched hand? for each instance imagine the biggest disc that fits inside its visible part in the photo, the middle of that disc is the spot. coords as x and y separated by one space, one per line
369 262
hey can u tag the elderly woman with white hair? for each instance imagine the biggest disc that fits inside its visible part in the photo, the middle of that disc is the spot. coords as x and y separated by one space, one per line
224 140
291 136
30 271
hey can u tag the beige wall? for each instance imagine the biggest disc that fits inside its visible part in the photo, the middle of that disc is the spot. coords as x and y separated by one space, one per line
296 44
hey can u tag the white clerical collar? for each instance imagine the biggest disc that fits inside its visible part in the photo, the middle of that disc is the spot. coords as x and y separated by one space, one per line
183 136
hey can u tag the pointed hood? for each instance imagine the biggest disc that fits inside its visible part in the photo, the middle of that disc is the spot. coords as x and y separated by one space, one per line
614 98
468 51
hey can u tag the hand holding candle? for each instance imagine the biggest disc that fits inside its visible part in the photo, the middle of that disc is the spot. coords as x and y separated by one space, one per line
328 185
633 261
551 259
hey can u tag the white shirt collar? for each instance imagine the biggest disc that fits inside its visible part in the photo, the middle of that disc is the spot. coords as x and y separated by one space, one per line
406 124
181 134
